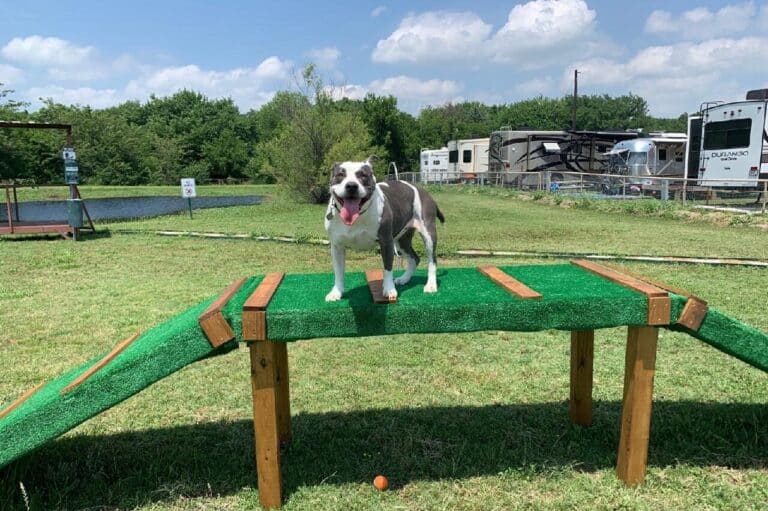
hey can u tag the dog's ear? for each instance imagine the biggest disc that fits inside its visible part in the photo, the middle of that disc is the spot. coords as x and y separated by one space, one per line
371 159
335 169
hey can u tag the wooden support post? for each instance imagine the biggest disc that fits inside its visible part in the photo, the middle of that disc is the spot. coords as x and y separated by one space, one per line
283 391
266 427
639 369
582 355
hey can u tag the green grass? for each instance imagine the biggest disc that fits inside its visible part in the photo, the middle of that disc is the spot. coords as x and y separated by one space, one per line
474 421
96 192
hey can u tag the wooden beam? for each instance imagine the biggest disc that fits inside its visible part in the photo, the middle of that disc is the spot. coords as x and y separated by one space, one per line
640 366
693 314
101 363
509 283
254 309
266 427
375 280
26 395
582 356
212 321
659 303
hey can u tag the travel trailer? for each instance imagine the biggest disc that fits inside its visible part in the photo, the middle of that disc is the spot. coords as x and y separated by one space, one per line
468 159
565 151
661 154
734 142
433 164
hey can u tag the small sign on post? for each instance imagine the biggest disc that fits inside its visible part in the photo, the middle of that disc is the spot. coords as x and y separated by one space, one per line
71 176
188 191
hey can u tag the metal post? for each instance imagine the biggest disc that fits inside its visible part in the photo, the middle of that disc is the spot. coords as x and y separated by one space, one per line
685 190
575 95
16 203
765 193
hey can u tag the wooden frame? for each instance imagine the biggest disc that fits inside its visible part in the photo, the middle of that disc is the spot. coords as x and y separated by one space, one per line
659 303
101 363
509 283
270 389
375 280
212 321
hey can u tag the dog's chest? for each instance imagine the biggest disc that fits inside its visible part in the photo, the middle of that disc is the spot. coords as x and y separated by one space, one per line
362 235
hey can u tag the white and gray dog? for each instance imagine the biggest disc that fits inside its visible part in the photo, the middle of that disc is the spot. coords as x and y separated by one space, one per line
362 214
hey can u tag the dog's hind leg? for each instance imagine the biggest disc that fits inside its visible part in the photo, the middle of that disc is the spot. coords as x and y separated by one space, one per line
429 235
405 244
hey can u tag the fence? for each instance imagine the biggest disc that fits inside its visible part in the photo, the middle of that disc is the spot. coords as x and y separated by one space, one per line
611 186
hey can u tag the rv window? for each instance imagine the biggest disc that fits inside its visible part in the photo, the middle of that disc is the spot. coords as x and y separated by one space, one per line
662 154
453 156
727 134
426 162
435 162
467 156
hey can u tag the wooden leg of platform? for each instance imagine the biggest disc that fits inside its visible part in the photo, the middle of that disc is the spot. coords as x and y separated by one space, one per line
284 394
582 353
636 409
266 427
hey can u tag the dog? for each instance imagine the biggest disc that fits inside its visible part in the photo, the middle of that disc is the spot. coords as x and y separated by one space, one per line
362 214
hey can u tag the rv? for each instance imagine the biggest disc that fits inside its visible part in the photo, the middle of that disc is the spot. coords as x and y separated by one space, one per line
433 164
564 151
661 154
468 159
734 142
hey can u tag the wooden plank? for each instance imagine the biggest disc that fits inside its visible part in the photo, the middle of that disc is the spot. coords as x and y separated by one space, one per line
693 314
266 427
283 394
659 303
509 283
640 366
26 395
666 287
212 321
582 356
254 309
101 363
375 280
262 295
223 298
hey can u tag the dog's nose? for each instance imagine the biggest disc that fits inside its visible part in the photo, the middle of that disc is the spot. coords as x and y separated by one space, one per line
350 187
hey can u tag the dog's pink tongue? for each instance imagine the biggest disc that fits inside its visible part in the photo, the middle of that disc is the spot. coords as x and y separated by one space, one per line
350 211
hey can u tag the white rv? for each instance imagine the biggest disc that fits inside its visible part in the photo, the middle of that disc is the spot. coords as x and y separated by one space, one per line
661 154
468 158
433 164
734 142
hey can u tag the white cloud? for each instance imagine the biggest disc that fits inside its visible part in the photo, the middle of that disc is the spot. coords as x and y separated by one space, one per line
548 22
378 11
10 74
679 77
248 87
411 93
701 23
97 98
434 36
325 58
535 86
62 59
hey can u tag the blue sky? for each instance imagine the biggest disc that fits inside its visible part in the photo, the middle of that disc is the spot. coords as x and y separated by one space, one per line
675 54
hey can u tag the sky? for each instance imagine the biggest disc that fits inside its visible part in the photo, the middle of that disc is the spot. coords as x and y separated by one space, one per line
675 54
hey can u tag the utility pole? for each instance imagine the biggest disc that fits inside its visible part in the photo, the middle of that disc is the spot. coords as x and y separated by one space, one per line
575 95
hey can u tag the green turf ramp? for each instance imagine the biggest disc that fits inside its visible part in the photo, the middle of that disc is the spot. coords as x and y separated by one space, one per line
157 353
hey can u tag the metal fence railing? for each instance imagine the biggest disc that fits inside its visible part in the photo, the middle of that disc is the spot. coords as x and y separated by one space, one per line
753 197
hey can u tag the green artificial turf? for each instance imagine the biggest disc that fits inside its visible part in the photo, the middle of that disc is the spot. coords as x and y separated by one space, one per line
156 354
573 299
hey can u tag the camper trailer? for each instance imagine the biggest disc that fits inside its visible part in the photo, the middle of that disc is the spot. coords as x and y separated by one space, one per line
564 151
734 142
433 164
661 154
468 159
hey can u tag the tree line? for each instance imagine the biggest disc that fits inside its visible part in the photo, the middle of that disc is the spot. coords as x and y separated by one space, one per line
293 139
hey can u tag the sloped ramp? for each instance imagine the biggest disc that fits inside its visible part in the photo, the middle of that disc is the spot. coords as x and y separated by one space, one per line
63 403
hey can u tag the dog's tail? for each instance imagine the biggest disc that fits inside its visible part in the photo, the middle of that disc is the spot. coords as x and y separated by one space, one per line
439 214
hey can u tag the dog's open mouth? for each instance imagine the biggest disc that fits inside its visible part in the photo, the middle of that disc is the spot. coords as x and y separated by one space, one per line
350 208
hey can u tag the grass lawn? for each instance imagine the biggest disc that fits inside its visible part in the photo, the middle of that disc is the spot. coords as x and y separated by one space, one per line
472 421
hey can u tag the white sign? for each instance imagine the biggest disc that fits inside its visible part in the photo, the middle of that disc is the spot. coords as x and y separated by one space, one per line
188 188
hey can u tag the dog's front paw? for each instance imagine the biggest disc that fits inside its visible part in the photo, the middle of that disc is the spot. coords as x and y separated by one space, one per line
334 295
402 280
390 293
431 287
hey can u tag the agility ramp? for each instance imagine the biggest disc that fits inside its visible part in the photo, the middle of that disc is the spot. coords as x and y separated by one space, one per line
580 298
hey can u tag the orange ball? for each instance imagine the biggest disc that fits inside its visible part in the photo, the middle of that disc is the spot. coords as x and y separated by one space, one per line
381 483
